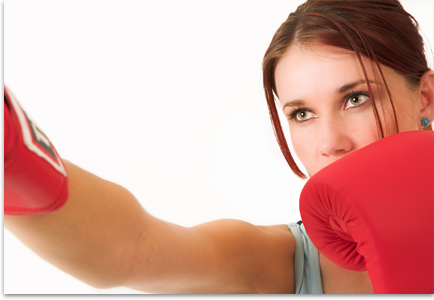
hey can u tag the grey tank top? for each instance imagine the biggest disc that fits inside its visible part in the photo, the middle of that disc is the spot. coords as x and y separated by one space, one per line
306 265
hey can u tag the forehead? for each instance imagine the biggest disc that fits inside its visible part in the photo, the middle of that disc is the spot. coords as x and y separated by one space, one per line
304 69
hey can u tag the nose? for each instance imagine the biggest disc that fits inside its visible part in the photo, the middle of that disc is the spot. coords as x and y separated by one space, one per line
334 140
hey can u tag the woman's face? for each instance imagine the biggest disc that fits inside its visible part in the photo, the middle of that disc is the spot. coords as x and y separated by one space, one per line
326 100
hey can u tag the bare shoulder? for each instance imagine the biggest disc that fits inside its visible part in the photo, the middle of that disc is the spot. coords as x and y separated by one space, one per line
337 280
279 269
264 254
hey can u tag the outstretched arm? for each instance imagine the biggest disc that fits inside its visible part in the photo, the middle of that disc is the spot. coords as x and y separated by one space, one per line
100 234
104 237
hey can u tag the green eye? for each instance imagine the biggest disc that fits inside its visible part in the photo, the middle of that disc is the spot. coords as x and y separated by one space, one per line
355 100
302 115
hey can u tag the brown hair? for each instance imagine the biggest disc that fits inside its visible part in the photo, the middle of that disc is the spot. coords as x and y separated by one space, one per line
379 30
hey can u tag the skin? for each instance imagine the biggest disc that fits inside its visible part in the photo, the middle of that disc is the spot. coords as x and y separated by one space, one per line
103 236
327 125
331 128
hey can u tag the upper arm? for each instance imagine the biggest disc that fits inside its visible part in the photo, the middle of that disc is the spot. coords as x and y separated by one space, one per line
223 256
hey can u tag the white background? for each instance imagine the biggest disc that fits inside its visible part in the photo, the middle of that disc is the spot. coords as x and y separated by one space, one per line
164 98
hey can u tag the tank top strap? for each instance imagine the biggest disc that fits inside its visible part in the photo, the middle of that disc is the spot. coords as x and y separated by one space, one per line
306 262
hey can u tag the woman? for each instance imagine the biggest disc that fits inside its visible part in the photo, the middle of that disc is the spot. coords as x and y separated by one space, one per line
207 259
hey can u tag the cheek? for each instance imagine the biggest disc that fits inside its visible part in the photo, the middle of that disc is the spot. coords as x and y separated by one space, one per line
407 115
363 129
304 142
404 105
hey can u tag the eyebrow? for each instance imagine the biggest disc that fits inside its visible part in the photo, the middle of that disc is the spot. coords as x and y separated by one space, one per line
341 90
351 85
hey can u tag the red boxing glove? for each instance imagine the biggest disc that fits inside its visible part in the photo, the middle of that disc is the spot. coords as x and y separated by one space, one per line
373 210
35 179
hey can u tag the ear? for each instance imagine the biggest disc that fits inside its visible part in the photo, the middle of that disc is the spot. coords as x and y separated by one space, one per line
426 108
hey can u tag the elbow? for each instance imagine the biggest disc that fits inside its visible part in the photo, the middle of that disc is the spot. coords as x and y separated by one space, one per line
103 284
98 278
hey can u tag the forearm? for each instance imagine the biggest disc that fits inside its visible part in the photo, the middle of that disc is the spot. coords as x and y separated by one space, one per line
93 237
